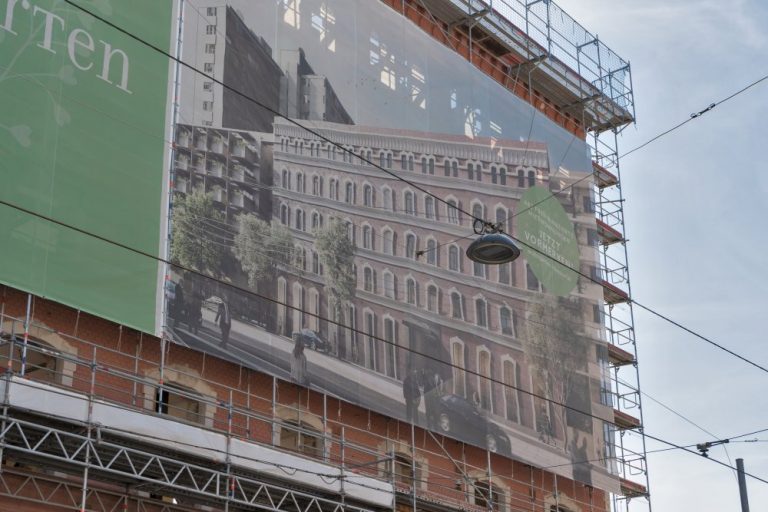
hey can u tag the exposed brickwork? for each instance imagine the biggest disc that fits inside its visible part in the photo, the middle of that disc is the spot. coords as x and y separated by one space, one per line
116 349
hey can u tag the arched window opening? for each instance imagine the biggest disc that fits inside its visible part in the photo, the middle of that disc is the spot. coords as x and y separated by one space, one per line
484 380
410 202
454 261
487 496
432 252
300 437
412 292
481 313
429 208
410 245
432 299
457 306
453 211
458 374
179 402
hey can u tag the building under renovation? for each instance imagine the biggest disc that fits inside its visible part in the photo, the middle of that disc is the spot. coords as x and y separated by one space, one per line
262 370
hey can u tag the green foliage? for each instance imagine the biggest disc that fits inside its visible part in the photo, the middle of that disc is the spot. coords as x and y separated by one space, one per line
198 233
337 254
261 248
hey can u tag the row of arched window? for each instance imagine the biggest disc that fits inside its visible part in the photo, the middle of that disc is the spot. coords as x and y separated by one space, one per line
387 243
473 170
428 207
432 300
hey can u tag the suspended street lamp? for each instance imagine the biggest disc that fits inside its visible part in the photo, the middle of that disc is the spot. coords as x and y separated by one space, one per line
493 246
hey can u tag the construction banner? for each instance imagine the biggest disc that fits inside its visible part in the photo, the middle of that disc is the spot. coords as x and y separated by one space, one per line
84 131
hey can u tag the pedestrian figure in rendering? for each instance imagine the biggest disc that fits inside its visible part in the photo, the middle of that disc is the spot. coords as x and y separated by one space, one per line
412 395
195 309
224 321
299 372
581 469
432 384
177 306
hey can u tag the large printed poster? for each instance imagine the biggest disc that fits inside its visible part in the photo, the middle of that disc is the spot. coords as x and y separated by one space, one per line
83 134
329 190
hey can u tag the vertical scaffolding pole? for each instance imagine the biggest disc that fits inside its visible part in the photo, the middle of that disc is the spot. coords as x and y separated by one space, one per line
26 336
91 393
632 323
230 478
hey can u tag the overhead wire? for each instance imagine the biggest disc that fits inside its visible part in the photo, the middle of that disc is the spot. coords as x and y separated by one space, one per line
695 115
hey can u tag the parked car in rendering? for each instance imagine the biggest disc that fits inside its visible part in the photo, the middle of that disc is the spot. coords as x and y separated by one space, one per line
311 340
459 418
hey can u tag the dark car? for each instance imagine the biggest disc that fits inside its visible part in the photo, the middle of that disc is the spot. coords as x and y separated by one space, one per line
458 418
311 340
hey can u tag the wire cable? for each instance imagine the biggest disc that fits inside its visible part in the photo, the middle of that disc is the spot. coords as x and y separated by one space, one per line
694 116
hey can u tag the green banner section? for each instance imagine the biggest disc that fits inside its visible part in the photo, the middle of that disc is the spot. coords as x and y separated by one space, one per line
82 140
549 242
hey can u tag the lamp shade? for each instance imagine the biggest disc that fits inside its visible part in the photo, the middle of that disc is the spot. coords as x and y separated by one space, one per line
493 249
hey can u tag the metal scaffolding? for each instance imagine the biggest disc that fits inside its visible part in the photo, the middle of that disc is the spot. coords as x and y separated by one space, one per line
619 320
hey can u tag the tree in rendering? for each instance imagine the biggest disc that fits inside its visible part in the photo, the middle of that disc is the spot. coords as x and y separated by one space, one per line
261 248
337 254
199 233
558 350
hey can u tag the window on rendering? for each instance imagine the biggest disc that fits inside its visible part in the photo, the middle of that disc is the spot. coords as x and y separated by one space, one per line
454 263
349 192
411 291
512 386
453 211
369 280
478 212
410 245
367 237
484 380
429 207
387 239
432 299
459 375
410 202
481 313
505 319
390 288
531 279
432 252
457 306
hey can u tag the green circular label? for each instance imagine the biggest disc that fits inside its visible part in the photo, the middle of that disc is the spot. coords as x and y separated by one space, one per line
548 240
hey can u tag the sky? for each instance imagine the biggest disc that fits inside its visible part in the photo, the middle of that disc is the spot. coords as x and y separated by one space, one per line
695 218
